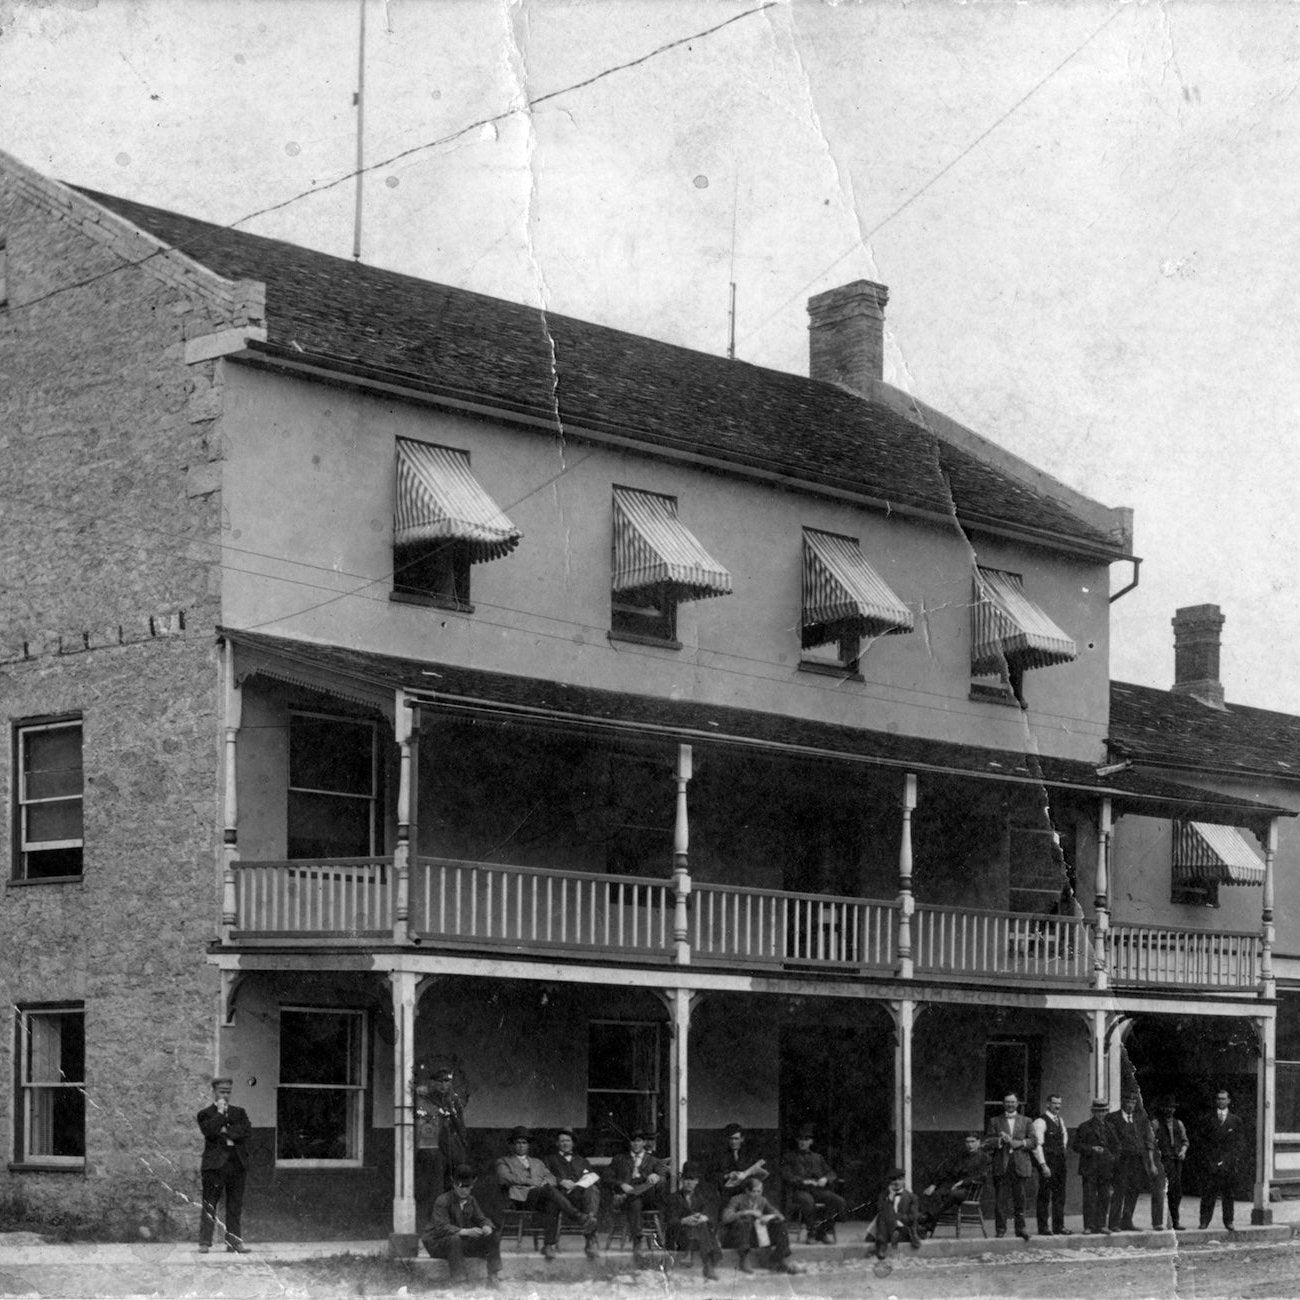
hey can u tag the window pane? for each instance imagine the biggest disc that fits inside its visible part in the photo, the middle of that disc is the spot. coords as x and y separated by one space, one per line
623 1057
47 863
320 1047
327 826
314 1124
49 822
56 1047
58 1122
52 763
1288 1028
331 754
1288 1097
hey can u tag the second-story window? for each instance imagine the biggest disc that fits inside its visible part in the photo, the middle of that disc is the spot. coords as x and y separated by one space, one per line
444 522
1205 856
333 787
1010 634
49 798
657 563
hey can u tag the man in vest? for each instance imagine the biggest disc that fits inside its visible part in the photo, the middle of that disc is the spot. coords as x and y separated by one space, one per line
1049 1155
1171 1142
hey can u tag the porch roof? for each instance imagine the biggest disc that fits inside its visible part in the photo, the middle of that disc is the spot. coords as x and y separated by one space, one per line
453 688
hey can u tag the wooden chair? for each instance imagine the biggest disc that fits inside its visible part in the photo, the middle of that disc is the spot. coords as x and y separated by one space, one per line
520 1223
968 1211
652 1228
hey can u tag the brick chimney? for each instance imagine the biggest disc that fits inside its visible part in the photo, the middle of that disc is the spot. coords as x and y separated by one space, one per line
1197 630
846 335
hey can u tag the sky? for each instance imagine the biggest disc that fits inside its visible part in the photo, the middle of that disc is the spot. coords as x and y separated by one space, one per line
1086 213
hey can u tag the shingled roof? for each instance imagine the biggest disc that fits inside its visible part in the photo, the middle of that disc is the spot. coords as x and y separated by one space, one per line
523 360
1169 729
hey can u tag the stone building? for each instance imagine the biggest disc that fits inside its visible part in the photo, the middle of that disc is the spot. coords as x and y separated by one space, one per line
399 678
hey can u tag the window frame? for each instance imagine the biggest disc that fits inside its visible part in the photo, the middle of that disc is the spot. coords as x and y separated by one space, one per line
1028 1093
21 845
450 591
653 1097
1007 686
376 827
357 1090
652 621
25 1087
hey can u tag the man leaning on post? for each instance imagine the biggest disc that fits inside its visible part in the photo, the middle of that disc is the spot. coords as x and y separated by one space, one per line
459 1228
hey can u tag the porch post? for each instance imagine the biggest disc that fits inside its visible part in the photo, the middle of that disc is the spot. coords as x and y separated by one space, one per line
403 1240
1101 901
681 1003
1267 984
403 717
234 710
906 904
1099 1066
1265 1117
904 1014
681 864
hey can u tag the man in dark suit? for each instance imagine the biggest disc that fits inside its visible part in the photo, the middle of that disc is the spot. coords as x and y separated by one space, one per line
639 1180
897 1216
226 1131
579 1182
692 1216
1095 1144
737 1162
809 1183
1223 1138
1009 1139
1135 1143
1171 1142
953 1181
458 1227
1049 1155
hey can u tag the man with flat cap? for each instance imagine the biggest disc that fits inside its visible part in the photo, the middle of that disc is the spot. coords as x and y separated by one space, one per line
226 1131
639 1179
527 1184
458 1228
441 1142
808 1181
692 1219
1097 1147
580 1184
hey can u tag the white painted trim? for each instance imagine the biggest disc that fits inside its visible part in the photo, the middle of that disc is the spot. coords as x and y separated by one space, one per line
223 343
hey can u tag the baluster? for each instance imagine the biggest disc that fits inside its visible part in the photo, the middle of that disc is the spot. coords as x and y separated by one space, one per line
564 909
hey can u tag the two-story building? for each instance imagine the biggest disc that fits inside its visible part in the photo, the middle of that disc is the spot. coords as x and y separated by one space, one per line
401 677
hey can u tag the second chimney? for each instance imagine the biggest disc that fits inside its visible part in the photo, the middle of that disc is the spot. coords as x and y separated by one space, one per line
846 335
1197 631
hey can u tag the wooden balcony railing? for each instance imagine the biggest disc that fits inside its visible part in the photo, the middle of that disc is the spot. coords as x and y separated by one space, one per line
1143 954
339 898
479 904
1010 945
732 923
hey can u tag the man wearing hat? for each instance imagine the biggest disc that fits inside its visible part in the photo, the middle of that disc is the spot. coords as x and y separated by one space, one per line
1136 1143
691 1220
440 1139
1097 1147
737 1162
527 1184
458 1227
226 1131
897 1216
639 1179
953 1181
808 1180
580 1184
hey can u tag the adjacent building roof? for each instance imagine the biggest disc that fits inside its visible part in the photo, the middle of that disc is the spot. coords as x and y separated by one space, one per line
466 346
1169 729
448 686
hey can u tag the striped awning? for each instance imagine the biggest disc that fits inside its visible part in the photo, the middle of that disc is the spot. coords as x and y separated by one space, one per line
438 499
654 549
1009 630
1208 854
843 595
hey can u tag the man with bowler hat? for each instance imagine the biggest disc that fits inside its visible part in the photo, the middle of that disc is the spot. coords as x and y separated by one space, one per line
580 1184
639 1179
226 1131
1097 1147
809 1181
527 1184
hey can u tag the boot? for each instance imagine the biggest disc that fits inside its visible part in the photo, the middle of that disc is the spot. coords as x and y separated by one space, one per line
742 1262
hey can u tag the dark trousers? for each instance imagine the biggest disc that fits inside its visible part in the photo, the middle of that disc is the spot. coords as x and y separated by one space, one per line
431 1180
818 1207
228 1181
1174 1194
741 1236
1051 1197
699 1236
1096 1201
1124 1191
455 1250
550 1203
584 1200
633 1206
1218 1183
1009 1186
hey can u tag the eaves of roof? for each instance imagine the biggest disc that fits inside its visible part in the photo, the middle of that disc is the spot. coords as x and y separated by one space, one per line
477 691
565 372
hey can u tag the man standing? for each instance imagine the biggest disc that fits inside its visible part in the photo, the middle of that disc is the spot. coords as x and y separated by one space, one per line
1132 1139
440 1139
226 1131
1009 1139
1222 1151
459 1227
1052 1137
527 1184
579 1183
952 1182
691 1215
1171 1142
639 1180
1097 1147
808 1180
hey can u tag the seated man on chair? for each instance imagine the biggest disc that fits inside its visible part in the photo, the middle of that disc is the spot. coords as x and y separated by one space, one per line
752 1222
458 1227
527 1184
809 1181
953 1181
580 1184
639 1180
738 1162
692 1218
896 1217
